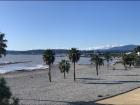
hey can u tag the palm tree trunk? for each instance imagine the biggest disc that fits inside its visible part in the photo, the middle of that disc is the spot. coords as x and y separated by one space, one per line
64 75
97 69
74 71
107 65
49 73
99 66
125 67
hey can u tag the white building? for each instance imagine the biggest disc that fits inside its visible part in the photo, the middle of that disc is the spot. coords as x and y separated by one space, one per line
138 53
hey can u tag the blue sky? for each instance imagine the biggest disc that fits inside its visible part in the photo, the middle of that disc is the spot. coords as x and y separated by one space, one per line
66 24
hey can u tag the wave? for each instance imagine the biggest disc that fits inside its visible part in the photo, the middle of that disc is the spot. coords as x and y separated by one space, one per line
7 69
8 63
37 67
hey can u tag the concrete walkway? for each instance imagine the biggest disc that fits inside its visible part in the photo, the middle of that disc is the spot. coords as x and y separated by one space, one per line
129 98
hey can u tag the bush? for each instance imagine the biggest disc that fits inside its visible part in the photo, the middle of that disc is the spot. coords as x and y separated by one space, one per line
137 62
5 94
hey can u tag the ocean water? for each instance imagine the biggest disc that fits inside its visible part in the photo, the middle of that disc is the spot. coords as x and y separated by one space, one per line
29 62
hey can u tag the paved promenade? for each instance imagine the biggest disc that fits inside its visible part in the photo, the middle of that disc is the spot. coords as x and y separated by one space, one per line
129 98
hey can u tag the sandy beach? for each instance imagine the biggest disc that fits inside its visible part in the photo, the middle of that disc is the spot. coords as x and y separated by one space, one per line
34 88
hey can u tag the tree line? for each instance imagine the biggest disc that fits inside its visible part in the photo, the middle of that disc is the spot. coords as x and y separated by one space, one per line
96 58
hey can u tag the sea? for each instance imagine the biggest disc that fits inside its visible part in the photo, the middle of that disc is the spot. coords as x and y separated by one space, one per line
11 63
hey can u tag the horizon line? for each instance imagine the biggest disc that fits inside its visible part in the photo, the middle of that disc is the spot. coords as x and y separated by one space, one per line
88 48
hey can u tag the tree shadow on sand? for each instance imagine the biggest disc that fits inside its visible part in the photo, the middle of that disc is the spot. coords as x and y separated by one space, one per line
127 75
84 103
104 83
109 82
119 69
89 79
66 102
129 81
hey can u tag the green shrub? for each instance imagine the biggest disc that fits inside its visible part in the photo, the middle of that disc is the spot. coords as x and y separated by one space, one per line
5 94
137 62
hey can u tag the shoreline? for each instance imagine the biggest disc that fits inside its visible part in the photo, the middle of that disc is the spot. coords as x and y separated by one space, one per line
32 70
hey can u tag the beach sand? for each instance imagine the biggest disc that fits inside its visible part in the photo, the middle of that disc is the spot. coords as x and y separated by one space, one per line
34 88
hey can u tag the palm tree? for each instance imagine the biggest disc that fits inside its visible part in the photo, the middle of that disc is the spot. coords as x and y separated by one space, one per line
5 92
129 59
137 61
124 60
107 58
6 97
137 49
74 56
97 61
64 67
49 58
2 44
101 61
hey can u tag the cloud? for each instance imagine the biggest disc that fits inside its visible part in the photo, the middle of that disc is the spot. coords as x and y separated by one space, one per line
101 47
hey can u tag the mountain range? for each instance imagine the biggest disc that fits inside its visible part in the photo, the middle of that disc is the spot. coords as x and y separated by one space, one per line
125 48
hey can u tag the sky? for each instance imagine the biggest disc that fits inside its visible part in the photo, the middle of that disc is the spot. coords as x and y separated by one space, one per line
64 24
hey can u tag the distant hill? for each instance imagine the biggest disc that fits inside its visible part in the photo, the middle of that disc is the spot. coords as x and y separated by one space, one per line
125 48
36 52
